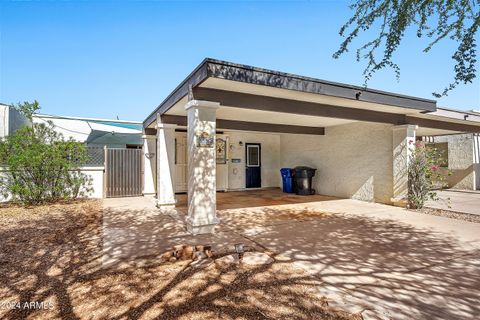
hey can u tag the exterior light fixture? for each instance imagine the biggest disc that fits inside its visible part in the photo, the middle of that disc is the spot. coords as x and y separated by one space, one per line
240 143
239 250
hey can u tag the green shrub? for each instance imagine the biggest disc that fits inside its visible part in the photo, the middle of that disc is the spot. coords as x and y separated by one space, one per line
40 165
424 175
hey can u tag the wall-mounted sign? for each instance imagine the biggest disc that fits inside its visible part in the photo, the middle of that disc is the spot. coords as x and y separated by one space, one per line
236 160
205 140
221 151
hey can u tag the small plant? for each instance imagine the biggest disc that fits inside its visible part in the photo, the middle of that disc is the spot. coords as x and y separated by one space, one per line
425 175
39 165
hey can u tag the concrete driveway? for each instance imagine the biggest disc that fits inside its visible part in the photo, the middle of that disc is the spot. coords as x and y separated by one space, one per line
458 201
387 262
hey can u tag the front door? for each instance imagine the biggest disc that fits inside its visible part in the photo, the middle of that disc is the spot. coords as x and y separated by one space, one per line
253 165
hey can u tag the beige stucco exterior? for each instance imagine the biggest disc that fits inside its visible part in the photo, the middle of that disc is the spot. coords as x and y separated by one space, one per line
352 160
463 160
270 156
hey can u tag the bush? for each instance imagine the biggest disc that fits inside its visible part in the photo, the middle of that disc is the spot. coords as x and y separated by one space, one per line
40 165
424 175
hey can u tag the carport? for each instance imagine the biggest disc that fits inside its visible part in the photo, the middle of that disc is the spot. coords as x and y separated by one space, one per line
207 131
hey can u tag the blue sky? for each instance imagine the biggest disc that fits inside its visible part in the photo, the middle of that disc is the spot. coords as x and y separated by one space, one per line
107 59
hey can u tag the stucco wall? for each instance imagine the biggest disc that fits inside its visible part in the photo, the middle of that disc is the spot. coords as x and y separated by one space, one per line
460 160
95 174
352 160
270 156
150 165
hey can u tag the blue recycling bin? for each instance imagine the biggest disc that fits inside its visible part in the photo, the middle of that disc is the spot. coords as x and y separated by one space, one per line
287 180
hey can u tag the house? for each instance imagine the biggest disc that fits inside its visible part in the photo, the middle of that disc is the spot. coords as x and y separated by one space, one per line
229 126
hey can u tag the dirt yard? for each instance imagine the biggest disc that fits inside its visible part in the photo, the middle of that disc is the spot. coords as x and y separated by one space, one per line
50 258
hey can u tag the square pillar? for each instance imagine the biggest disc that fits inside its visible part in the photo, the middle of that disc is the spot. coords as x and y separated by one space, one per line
165 164
403 145
202 197
150 165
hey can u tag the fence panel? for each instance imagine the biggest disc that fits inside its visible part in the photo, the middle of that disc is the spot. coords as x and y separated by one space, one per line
123 172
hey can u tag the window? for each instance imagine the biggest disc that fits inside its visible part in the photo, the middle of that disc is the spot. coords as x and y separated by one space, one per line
253 156
133 146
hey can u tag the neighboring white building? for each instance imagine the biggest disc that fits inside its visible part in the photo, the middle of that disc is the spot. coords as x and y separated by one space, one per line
96 134
10 120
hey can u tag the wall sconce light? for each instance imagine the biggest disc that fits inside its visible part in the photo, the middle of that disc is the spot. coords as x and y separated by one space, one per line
149 155
239 250
240 143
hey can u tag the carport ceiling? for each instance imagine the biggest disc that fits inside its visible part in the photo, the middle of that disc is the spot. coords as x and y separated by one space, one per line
260 116
247 87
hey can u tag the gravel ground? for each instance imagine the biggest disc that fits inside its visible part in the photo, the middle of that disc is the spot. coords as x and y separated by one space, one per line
52 255
451 214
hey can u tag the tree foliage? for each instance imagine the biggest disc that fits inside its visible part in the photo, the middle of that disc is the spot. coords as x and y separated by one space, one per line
458 20
39 165
27 108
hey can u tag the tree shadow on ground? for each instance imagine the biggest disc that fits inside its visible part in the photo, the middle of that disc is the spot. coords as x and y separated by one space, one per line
398 269
59 258
402 271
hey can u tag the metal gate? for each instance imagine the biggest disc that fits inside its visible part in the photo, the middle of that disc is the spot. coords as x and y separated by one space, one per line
123 172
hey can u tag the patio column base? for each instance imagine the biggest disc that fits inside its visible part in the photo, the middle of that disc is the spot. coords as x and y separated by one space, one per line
196 228
166 204
402 202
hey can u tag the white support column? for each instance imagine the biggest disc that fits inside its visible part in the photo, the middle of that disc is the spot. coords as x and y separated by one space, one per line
202 203
150 165
165 164
403 145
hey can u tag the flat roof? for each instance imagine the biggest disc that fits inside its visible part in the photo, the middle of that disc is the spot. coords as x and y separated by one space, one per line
470 112
212 68
41 115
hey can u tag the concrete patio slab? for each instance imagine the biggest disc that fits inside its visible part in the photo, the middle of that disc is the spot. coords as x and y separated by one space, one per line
134 228
458 201
386 261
